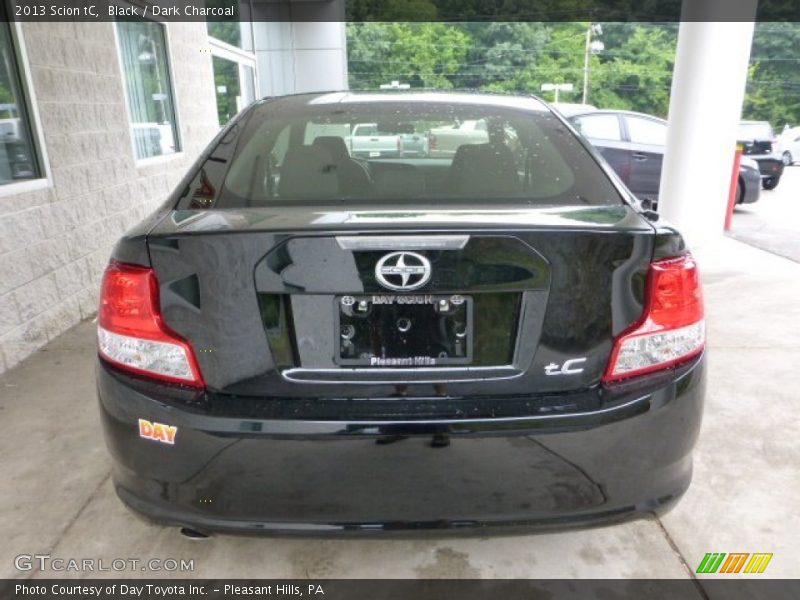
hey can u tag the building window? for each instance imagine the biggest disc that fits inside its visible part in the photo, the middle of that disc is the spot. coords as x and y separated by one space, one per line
238 31
19 160
148 88
234 82
233 59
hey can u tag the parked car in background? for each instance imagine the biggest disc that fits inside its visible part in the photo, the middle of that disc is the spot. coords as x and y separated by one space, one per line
444 141
572 108
749 188
15 156
368 141
761 145
790 145
376 140
499 339
634 143
154 139
414 144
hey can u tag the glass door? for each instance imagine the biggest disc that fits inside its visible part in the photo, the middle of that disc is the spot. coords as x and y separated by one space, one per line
235 87
234 64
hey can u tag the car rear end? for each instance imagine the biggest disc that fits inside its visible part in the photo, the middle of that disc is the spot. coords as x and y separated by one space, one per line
497 339
760 143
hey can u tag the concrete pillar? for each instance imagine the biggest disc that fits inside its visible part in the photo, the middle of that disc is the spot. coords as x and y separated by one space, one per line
708 88
300 47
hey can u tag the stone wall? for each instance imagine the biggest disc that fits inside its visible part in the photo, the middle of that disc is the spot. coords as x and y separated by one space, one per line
55 241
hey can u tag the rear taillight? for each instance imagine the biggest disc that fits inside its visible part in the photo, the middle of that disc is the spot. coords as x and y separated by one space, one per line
131 332
671 329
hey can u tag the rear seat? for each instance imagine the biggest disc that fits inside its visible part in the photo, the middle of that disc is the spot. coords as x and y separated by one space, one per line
397 180
484 169
308 173
353 176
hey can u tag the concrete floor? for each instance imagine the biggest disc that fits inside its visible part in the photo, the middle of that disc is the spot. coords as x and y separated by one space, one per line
58 499
773 223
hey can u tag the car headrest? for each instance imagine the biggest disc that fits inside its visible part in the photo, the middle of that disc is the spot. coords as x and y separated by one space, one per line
333 144
308 172
485 169
398 181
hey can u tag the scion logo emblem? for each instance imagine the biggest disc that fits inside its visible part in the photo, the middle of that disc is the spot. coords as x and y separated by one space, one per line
403 271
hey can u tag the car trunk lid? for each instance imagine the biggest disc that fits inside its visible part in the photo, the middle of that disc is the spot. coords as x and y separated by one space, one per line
264 297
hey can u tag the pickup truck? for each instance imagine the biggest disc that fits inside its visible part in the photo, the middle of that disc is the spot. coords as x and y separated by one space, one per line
368 142
444 141
762 146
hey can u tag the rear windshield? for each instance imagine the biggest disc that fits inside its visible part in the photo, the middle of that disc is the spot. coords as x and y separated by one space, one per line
755 131
292 152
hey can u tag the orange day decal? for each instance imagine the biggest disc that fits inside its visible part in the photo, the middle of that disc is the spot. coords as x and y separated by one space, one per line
157 431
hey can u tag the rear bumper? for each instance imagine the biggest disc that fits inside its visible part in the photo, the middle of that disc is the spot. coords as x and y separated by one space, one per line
769 166
282 476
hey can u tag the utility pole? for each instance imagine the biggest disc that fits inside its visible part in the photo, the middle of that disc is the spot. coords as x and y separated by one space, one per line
586 64
592 47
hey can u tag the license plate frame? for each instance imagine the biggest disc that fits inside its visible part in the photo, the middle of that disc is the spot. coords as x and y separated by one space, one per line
439 335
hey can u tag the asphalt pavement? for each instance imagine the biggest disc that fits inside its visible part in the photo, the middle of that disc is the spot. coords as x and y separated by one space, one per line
773 223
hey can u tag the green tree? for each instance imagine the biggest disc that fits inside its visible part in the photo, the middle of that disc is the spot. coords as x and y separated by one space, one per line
558 59
635 70
421 54
499 51
773 87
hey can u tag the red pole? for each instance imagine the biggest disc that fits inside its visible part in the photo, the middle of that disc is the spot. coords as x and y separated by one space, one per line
737 159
